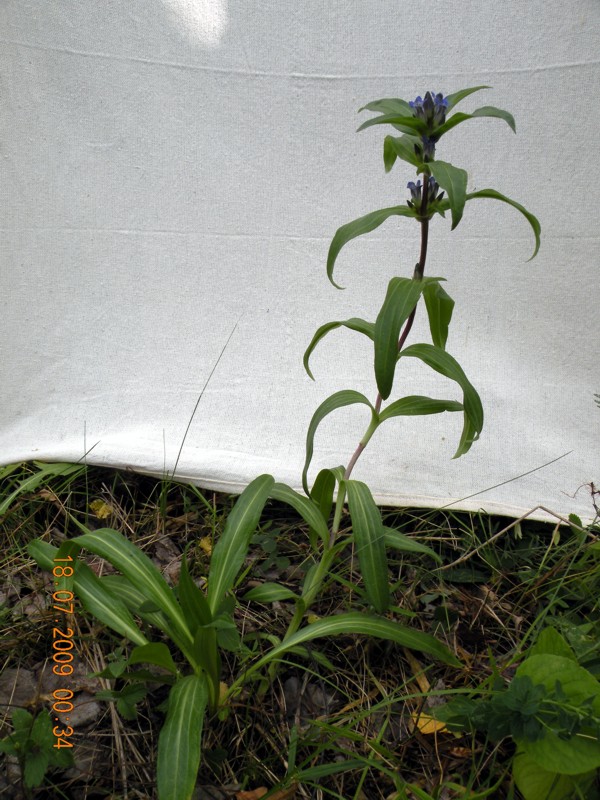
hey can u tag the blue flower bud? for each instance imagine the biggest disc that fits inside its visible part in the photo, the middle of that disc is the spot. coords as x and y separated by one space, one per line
428 147
415 189
432 189
416 192
431 109
440 107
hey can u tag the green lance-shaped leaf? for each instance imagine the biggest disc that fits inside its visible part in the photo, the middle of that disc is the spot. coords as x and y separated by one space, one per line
136 602
232 547
369 537
353 324
401 122
445 364
372 626
270 593
400 300
454 181
455 98
406 544
139 569
97 598
180 739
389 105
338 472
305 507
43 553
192 600
492 194
417 405
346 397
318 571
207 656
400 147
439 306
321 495
228 636
485 111
156 653
322 492
358 227
45 471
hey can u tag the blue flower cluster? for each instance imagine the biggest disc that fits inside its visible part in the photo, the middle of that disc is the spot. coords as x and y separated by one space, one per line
416 192
432 110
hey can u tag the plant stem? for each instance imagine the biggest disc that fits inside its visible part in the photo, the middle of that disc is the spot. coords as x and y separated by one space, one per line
328 554
292 628
338 510
417 276
304 602
358 451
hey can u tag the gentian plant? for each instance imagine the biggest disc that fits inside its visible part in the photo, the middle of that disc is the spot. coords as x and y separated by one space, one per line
200 624
443 188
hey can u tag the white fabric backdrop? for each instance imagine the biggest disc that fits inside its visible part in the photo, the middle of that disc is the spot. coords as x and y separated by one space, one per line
173 167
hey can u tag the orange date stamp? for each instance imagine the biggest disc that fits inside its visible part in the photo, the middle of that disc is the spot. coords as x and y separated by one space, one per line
62 656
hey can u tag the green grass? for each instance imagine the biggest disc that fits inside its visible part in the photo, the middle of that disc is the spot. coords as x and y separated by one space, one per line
498 585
